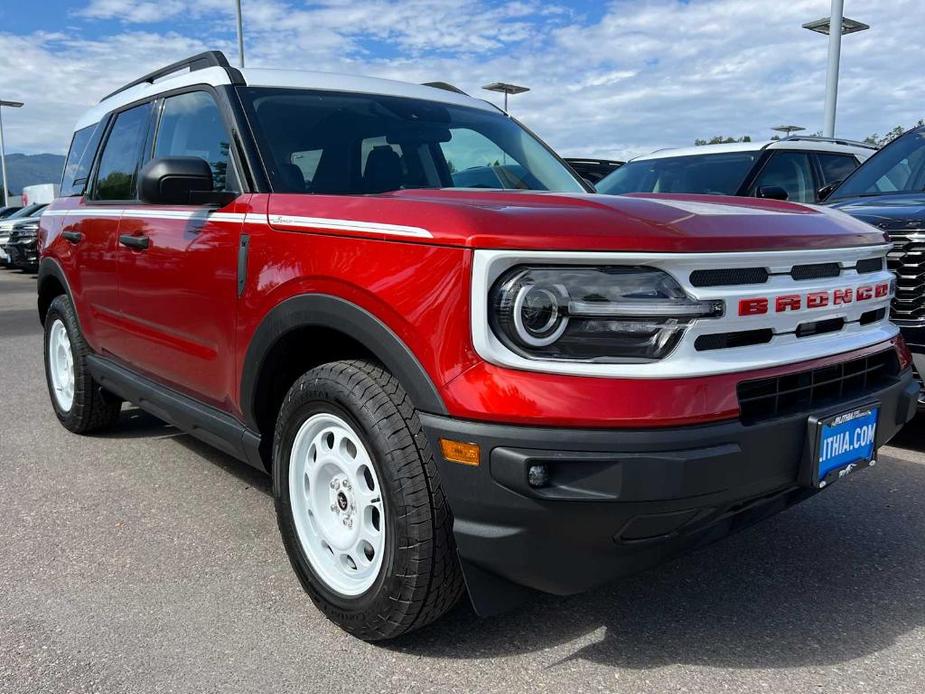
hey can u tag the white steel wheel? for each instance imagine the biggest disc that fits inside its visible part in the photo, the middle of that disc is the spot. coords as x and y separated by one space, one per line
337 504
61 365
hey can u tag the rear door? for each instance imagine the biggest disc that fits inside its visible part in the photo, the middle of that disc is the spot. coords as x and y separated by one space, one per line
93 226
178 295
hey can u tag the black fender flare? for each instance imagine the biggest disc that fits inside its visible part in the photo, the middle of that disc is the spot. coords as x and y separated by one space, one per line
331 312
50 268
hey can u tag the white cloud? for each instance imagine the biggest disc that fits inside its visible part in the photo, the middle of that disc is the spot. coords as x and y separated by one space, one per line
645 74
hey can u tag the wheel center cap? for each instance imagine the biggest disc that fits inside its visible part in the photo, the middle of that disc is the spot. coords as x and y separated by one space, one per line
342 501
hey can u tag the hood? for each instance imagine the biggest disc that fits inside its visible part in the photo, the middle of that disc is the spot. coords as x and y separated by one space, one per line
549 221
888 212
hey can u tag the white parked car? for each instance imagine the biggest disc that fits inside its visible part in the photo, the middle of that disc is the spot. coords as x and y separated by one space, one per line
794 168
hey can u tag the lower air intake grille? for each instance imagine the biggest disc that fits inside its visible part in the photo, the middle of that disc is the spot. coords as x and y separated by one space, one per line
778 396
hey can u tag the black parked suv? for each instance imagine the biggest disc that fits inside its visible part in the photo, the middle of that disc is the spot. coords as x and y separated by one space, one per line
888 191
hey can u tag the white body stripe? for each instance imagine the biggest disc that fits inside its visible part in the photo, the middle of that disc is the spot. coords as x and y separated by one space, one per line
350 225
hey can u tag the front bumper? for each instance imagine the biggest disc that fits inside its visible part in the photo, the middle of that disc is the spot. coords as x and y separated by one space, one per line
22 254
914 335
620 501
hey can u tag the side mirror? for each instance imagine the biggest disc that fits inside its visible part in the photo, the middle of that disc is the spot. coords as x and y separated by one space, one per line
827 190
772 193
175 180
590 184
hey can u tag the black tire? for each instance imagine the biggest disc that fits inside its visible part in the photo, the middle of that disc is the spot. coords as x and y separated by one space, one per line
420 578
91 409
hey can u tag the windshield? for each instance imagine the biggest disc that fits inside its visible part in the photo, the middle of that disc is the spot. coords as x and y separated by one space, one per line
348 144
897 168
713 174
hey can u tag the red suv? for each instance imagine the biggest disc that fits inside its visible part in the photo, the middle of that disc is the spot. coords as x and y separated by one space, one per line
462 370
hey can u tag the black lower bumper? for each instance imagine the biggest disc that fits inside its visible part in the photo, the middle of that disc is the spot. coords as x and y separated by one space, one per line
619 501
22 254
914 335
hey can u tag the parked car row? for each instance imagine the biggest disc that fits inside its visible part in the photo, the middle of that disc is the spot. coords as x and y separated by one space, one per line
19 237
464 373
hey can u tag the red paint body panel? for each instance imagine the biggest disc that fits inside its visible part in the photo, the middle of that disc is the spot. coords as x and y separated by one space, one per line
531 220
173 312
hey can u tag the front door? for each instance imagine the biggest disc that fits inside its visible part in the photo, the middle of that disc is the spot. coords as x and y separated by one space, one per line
178 265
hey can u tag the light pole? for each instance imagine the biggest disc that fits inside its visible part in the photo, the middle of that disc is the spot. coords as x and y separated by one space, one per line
788 130
823 26
240 33
505 88
6 192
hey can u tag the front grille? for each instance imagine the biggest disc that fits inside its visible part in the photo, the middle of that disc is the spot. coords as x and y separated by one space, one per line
868 265
907 261
722 277
767 398
815 272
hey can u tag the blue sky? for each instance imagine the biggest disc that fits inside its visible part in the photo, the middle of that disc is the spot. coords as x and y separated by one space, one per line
609 79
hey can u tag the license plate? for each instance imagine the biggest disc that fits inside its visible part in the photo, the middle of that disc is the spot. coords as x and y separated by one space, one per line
846 442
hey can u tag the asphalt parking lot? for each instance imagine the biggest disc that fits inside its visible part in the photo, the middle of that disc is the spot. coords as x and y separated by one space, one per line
145 561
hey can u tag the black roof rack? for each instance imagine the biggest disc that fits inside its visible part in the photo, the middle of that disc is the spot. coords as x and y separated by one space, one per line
591 160
817 138
193 63
445 86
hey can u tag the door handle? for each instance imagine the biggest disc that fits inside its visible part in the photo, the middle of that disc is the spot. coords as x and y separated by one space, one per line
72 236
139 243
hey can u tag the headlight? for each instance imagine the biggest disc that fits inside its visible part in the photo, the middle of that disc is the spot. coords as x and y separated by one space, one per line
599 314
28 229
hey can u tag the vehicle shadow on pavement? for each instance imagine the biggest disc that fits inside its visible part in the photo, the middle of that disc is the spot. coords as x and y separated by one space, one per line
834 579
135 423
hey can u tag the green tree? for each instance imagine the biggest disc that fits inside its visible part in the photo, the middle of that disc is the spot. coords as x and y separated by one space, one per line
880 140
720 140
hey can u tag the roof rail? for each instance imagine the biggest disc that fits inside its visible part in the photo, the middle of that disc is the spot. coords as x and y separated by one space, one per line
817 138
445 86
199 61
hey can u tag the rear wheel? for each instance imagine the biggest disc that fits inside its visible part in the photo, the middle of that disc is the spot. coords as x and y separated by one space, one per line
78 401
359 504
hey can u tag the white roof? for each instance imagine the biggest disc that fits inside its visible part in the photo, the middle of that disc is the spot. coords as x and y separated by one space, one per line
295 79
815 145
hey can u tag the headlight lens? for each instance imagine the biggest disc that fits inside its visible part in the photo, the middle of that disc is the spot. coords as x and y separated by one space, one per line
598 314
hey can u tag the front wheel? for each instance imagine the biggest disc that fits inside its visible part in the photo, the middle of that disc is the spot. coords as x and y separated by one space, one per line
359 504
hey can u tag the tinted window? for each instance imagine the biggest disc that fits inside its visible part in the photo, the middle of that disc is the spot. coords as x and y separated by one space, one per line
836 167
361 143
80 159
716 174
191 126
790 171
897 168
118 168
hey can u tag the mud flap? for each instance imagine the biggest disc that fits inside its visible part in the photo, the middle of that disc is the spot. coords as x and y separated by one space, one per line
490 594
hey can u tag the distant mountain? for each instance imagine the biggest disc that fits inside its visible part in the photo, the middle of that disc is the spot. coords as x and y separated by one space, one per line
28 169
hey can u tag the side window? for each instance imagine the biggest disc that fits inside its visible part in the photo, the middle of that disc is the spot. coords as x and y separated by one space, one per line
80 159
836 167
118 169
791 171
191 126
